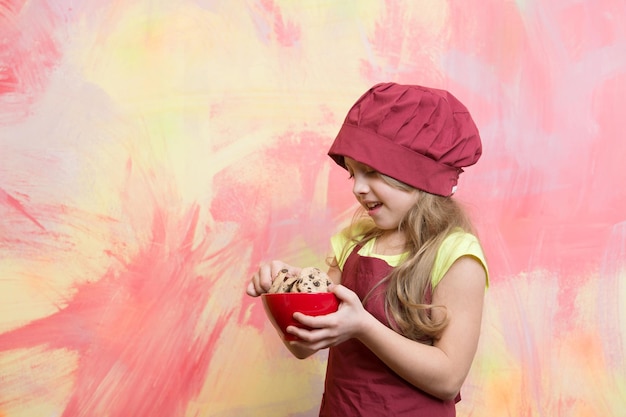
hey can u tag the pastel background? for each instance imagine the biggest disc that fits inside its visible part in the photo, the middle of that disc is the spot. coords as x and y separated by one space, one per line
153 152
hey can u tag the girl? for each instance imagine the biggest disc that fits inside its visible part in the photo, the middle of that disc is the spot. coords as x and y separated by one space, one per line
409 272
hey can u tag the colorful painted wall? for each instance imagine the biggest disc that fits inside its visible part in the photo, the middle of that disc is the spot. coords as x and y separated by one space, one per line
152 153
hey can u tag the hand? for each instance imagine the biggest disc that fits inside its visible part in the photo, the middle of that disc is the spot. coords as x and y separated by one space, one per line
261 281
332 329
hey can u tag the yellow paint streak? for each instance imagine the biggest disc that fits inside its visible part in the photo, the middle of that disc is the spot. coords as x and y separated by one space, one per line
256 372
528 364
36 381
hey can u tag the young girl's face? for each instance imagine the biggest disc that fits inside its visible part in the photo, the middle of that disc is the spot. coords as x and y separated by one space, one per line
387 205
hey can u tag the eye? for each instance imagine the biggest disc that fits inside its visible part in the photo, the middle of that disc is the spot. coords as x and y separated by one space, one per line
370 172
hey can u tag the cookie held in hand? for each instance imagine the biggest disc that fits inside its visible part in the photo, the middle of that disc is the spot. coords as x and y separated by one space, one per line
284 282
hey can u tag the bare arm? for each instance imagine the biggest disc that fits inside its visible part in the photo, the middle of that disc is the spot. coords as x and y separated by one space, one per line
438 370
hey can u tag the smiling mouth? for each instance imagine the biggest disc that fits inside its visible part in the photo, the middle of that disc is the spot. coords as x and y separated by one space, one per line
372 206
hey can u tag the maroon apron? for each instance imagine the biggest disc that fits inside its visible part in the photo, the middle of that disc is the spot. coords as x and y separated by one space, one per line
357 382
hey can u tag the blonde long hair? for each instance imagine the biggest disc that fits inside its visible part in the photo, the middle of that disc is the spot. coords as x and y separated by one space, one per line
425 226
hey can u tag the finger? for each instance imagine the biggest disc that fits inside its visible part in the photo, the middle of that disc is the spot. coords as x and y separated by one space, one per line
251 290
264 278
255 285
314 322
294 330
310 339
277 266
303 335
303 318
343 293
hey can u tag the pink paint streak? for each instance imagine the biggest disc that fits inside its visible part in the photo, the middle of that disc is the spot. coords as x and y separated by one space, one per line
272 25
12 202
135 330
29 52
402 48
274 214
550 199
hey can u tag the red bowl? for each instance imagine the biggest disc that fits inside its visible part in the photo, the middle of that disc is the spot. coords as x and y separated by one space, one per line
280 308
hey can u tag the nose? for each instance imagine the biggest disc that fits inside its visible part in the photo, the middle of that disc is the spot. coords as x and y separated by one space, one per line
360 185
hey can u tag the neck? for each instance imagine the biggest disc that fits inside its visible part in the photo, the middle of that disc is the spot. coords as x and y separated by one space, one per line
391 242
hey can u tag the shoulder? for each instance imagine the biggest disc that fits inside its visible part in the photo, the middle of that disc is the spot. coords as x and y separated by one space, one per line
456 245
463 242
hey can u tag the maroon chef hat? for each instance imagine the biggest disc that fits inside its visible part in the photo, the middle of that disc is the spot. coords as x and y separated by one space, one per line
418 135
